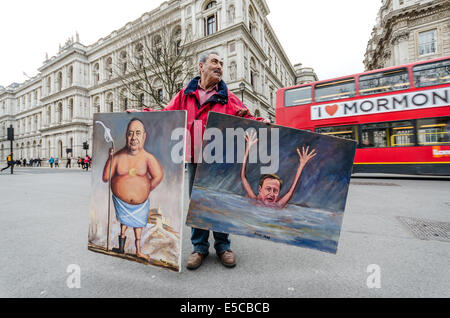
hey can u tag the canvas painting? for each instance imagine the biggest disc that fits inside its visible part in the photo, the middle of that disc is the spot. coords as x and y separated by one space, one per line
136 202
271 182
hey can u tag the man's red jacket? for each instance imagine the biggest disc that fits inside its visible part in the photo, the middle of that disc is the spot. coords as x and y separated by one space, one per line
223 102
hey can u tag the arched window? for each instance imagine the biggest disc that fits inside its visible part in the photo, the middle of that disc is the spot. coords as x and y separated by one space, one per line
252 25
253 73
141 100
96 108
176 38
70 109
210 5
59 113
60 149
231 13
157 44
108 68
96 73
59 81
49 115
210 21
189 31
123 61
109 103
123 100
233 71
70 75
49 85
139 55
211 25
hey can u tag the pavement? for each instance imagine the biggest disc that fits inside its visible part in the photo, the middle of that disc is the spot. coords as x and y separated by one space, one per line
44 226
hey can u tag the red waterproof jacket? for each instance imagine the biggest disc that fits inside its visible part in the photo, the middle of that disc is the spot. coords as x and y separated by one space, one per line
223 102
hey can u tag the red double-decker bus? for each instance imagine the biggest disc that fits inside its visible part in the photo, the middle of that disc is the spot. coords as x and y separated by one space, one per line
399 116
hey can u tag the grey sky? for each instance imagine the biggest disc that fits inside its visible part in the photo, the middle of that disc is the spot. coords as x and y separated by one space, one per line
328 35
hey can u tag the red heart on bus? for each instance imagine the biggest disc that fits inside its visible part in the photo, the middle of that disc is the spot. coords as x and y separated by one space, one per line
332 109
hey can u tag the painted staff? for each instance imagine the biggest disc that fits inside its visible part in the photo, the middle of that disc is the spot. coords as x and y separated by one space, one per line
108 138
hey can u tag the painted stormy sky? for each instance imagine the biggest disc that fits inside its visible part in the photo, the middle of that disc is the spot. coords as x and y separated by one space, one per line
324 180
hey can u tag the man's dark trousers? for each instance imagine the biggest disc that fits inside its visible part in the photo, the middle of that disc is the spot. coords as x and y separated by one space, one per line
199 237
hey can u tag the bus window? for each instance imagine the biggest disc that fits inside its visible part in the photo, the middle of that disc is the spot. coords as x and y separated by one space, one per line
434 131
335 90
432 73
382 82
346 132
401 134
394 134
298 96
374 135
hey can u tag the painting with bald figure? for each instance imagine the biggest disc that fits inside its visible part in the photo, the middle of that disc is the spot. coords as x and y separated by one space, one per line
137 186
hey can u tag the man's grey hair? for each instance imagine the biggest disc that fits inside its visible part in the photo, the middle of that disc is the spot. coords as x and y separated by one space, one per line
204 56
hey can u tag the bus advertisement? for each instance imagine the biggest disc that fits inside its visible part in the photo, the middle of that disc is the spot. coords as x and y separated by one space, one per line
399 116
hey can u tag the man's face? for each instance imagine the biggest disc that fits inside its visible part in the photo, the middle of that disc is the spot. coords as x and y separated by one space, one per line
212 69
269 191
135 136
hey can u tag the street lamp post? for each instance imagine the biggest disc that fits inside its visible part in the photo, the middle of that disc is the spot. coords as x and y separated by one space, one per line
242 89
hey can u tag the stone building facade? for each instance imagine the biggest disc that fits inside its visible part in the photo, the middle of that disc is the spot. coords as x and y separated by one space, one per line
407 31
53 111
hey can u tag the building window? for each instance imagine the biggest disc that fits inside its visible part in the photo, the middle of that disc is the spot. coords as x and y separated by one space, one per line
232 47
59 82
211 25
59 113
157 45
96 74
140 55
108 68
141 100
427 42
70 109
123 60
210 5
70 75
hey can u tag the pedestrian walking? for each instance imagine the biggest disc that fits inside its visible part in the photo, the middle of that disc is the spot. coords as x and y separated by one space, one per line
51 161
86 163
56 162
9 162
68 162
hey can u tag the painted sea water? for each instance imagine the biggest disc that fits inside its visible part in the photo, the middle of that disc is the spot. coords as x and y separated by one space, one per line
296 225
311 191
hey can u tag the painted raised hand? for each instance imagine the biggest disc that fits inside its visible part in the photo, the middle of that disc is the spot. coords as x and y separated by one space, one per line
305 155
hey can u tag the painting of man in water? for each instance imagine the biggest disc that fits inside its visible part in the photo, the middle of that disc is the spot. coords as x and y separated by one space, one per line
271 182
133 171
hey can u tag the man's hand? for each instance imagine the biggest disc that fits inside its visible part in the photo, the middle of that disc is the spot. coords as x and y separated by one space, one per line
267 121
251 138
243 112
305 156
